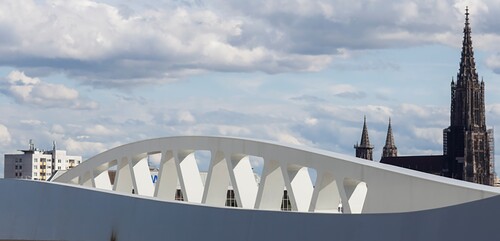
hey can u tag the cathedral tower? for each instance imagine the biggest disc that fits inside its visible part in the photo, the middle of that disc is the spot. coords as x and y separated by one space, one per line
364 149
465 141
390 149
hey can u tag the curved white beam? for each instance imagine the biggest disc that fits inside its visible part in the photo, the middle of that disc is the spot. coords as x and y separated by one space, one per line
360 185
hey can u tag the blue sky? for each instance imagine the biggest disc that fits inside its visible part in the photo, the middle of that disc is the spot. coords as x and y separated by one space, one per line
92 75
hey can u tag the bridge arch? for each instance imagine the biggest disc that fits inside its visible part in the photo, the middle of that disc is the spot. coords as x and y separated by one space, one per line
360 186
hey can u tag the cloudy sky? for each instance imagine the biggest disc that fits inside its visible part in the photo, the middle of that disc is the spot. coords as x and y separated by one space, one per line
92 75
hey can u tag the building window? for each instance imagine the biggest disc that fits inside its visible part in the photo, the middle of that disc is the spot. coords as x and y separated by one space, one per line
16 168
58 168
59 161
178 195
20 167
285 203
35 167
35 174
230 199
35 160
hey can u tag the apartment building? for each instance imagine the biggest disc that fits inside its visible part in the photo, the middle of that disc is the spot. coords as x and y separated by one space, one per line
37 164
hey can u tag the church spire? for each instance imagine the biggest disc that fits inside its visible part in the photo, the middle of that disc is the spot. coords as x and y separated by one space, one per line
365 140
466 143
467 95
364 149
467 72
390 149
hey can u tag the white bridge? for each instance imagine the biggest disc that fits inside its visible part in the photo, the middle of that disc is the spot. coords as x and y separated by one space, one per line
389 203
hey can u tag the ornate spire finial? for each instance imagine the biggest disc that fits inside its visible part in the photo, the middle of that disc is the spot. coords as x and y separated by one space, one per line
466 15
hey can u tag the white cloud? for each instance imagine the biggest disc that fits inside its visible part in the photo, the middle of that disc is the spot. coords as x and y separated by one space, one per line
166 42
178 117
347 91
84 147
161 44
32 122
311 121
493 62
59 129
33 91
433 135
409 11
416 110
287 138
5 137
53 92
100 130
185 117
227 130
19 78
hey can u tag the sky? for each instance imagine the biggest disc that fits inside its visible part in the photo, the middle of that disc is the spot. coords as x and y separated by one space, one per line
92 75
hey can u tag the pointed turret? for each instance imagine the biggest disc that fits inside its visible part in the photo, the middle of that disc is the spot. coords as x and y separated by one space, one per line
364 149
365 140
390 149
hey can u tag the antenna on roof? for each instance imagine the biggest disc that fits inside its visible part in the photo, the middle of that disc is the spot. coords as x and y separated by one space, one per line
31 145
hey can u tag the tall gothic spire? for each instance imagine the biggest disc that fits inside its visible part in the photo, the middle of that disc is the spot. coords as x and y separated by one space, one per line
466 141
390 148
467 71
467 95
365 140
364 149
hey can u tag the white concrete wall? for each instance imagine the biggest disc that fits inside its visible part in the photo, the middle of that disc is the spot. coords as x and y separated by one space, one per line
32 210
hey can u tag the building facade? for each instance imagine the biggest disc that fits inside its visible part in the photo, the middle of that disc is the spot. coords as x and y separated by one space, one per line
37 164
468 146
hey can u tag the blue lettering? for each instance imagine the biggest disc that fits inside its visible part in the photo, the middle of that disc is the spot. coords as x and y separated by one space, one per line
154 178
